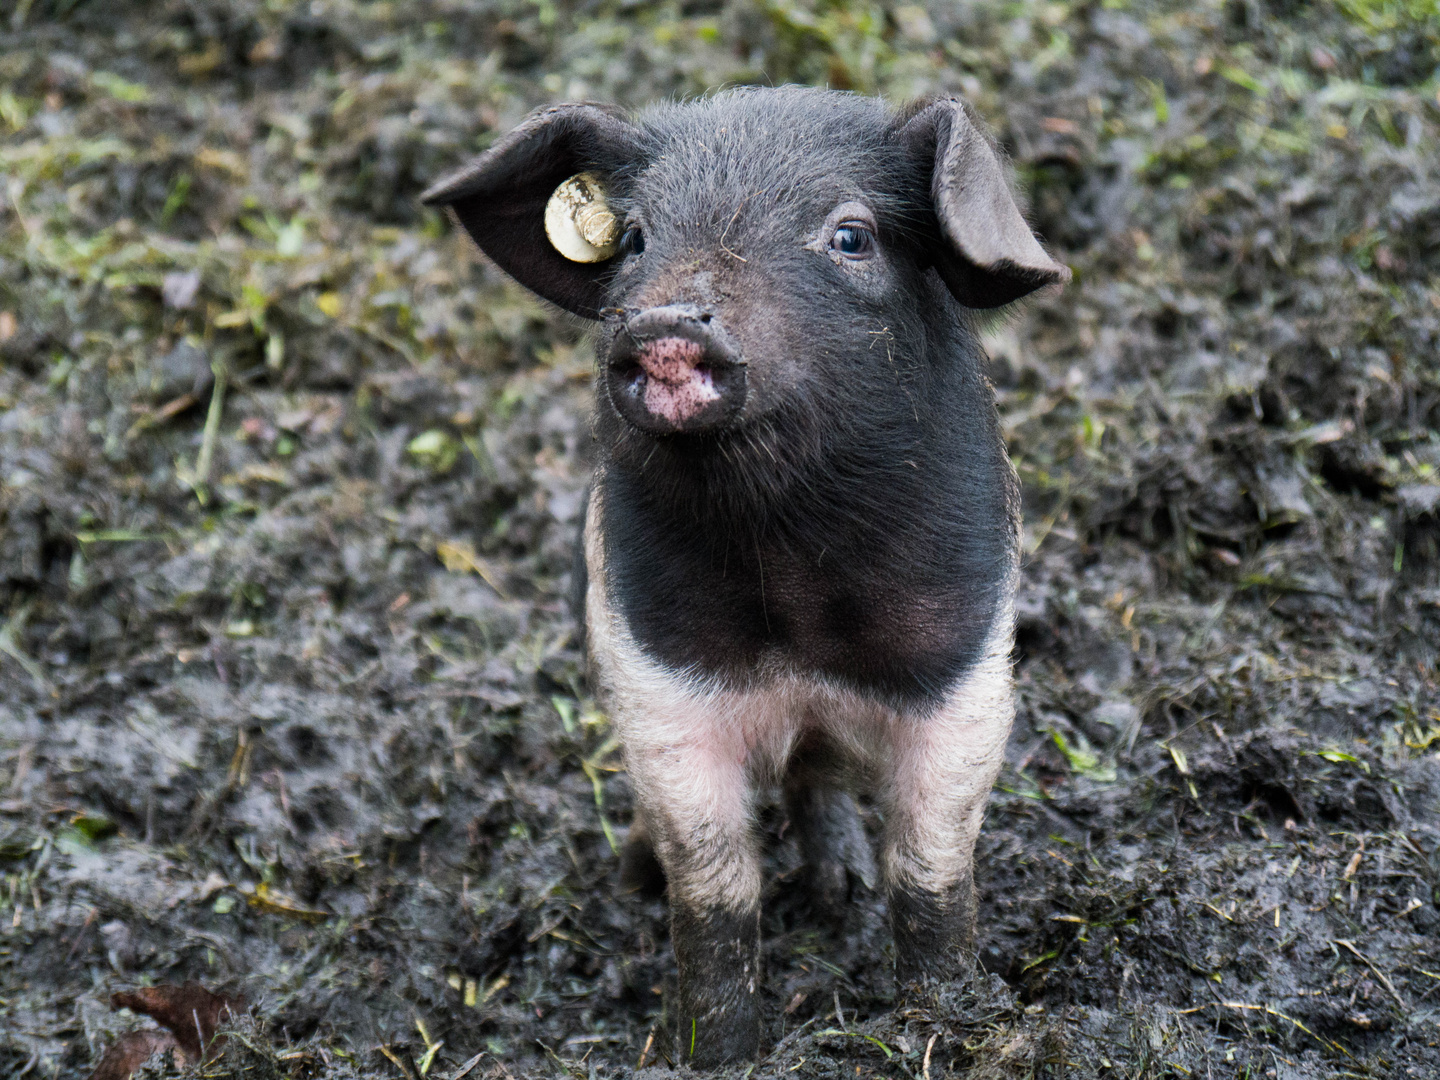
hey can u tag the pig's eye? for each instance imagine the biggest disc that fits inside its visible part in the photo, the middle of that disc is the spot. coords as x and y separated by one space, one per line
848 237
853 240
633 241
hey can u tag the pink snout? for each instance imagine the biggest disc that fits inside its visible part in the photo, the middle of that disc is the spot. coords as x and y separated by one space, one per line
673 370
679 385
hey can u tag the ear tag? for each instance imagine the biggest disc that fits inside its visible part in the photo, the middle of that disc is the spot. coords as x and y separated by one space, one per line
579 223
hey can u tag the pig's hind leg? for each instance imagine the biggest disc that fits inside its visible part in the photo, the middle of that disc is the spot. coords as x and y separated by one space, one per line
640 869
832 841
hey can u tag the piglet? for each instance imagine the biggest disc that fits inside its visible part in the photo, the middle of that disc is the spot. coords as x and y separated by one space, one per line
801 542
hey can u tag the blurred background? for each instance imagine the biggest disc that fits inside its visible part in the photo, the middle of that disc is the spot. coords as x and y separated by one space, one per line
289 697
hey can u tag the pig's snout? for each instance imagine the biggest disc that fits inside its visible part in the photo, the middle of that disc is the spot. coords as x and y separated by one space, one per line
674 370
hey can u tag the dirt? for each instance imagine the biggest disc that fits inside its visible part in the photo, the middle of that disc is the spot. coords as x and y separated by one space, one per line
290 703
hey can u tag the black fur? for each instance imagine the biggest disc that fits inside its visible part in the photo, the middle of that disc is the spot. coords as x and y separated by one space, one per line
858 521
852 533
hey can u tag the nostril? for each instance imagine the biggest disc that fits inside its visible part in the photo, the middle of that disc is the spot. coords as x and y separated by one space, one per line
705 318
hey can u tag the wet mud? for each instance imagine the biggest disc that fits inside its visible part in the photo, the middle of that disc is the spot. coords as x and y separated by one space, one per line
290 698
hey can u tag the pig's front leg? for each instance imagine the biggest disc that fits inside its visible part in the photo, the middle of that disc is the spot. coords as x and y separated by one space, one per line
942 769
697 804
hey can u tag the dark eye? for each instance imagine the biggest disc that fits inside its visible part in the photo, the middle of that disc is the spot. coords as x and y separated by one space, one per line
633 242
852 240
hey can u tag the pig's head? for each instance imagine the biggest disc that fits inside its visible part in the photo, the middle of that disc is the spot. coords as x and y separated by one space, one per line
767 265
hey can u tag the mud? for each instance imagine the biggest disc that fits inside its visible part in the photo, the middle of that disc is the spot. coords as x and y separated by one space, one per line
290 702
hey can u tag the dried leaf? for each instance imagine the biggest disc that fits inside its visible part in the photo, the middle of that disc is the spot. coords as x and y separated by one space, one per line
191 1012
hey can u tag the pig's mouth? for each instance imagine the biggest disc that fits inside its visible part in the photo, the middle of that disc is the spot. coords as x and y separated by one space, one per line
673 372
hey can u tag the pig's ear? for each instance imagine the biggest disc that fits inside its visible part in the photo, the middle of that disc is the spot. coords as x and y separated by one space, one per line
500 198
986 253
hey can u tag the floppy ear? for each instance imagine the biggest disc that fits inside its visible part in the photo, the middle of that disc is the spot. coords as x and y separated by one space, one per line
500 198
986 254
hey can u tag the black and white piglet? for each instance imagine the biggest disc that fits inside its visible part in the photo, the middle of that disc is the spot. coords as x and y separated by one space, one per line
801 538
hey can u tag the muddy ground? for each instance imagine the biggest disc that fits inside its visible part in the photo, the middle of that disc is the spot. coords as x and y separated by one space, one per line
289 697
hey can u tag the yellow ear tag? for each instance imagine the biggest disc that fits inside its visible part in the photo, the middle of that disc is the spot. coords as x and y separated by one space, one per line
578 221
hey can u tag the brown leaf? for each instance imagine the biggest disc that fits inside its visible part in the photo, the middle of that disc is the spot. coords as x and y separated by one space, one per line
191 1012
129 1052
